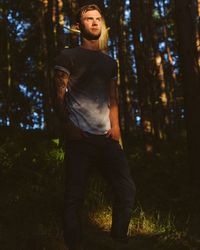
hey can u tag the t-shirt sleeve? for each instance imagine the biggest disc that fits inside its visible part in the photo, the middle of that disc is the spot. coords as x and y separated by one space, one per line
114 71
63 62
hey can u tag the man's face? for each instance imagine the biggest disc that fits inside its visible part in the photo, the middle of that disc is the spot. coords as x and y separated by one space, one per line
91 23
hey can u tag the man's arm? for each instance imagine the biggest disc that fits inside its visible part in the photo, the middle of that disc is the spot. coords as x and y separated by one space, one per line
114 132
61 81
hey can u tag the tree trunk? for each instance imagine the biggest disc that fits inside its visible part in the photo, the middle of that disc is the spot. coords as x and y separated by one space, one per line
198 32
60 40
141 12
122 53
72 10
48 34
191 81
6 73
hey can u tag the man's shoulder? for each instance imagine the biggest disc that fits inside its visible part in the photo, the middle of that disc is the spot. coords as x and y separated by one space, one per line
109 58
68 51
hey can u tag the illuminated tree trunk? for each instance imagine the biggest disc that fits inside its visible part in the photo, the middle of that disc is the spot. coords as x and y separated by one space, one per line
168 81
162 119
173 120
60 40
186 31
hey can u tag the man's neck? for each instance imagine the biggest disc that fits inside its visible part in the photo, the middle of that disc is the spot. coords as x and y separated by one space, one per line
90 44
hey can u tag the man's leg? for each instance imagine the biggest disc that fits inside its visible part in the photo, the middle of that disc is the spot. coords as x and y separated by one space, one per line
77 162
123 188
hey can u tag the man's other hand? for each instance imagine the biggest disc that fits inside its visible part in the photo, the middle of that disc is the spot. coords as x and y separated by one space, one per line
114 133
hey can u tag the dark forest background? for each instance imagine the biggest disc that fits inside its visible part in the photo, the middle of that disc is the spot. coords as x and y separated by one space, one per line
157 46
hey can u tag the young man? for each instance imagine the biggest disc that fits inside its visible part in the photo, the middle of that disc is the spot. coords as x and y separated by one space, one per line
86 102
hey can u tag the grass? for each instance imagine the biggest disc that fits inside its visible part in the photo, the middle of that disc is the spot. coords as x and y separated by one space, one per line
141 222
166 214
146 232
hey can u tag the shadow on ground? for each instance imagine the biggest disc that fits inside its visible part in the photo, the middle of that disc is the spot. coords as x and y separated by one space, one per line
95 238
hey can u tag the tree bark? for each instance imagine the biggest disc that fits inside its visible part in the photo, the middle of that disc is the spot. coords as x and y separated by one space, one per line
141 13
122 53
191 81
48 35
6 72
60 40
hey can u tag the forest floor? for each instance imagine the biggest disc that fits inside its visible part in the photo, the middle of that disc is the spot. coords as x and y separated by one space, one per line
166 215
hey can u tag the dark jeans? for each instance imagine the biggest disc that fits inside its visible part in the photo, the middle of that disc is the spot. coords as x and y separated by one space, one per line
82 154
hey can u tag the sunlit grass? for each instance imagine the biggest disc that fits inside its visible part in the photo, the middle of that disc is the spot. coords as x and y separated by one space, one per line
141 222
101 218
151 223
160 229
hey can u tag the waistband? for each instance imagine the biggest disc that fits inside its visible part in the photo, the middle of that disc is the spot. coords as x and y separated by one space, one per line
94 135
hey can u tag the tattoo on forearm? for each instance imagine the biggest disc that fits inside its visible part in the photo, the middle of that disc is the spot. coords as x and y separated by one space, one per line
60 81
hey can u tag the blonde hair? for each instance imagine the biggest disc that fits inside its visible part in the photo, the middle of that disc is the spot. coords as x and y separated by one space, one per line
103 39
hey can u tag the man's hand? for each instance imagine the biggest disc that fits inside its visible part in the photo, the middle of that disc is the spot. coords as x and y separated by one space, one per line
71 132
114 133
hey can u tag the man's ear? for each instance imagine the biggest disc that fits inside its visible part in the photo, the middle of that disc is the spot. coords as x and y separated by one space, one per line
77 26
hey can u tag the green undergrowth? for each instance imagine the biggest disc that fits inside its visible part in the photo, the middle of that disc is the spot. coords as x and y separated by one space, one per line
165 216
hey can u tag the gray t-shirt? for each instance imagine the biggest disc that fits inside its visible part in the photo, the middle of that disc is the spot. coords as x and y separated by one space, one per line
87 97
